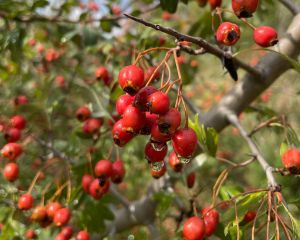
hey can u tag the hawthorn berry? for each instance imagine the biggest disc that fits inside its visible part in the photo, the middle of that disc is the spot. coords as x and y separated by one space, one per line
133 119
62 217
25 201
118 171
52 208
214 3
12 151
131 79
249 216
150 71
67 231
18 121
83 235
103 169
193 229
12 135
86 182
11 171
244 8
91 126
151 119
157 136
291 160
39 213
158 169
202 3
158 103
190 179
20 100
60 81
120 135
123 102
30 234
83 113
141 97
155 154
60 236
170 121
265 36
184 142
99 187
228 33
211 220
175 162
101 73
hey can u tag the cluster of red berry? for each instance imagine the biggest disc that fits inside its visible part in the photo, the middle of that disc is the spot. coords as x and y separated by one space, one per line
146 110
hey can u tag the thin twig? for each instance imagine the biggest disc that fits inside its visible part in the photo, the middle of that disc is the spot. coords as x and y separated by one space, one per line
200 42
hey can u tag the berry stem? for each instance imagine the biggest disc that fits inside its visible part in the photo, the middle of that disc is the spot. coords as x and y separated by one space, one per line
248 24
33 182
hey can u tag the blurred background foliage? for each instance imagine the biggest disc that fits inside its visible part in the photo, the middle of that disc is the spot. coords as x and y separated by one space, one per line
40 40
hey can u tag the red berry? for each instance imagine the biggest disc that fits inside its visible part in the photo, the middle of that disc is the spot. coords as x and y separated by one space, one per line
99 187
133 119
116 10
190 179
86 182
265 36
158 103
211 220
151 119
170 121
228 33
83 113
291 160
12 135
154 153
249 216
157 136
30 234
91 126
175 162
60 236
52 208
11 171
20 100
103 169
150 71
67 231
184 142
62 217
60 81
18 121
158 169
141 98
83 235
120 135
12 151
123 102
202 3
214 3
25 201
39 213
101 73
193 229
244 8
118 172
131 79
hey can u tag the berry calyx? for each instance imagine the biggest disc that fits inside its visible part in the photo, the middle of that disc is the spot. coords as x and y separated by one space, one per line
11 171
118 172
86 182
291 160
103 169
141 98
151 119
170 121
120 135
83 235
175 162
62 217
25 201
228 33
193 229
157 136
155 153
158 103
123 102
184 142
99 187
265 36
244 8
131 79
83 113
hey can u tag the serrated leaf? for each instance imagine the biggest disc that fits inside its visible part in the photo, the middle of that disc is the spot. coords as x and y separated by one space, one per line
170 6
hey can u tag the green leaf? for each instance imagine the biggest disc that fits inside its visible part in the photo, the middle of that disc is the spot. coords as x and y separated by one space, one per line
292 137
227 192
283 148
165 201
39 4
169 5
106 26
295 223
